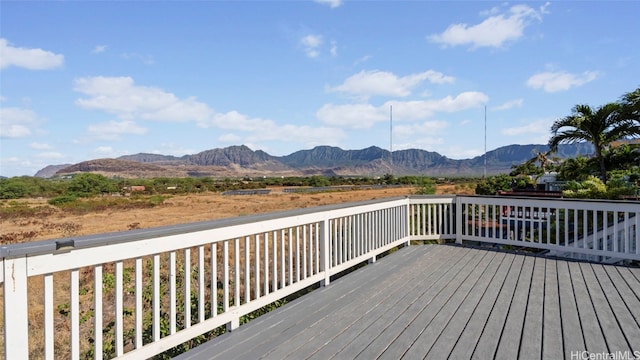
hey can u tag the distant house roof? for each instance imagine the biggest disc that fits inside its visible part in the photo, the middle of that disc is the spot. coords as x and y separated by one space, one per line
625 141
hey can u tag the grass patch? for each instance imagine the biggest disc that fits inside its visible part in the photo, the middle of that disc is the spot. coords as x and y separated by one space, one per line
19 209
86 206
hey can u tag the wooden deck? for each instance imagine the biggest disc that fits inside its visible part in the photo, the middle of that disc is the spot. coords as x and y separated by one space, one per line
440 301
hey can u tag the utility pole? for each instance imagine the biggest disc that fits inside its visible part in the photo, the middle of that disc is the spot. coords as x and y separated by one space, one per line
391 136
485 142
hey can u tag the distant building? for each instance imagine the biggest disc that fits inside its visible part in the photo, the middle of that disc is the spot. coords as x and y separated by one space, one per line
617 143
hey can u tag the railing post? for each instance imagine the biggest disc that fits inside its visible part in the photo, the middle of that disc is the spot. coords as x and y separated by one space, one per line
407 223
459 219
16 315
325 248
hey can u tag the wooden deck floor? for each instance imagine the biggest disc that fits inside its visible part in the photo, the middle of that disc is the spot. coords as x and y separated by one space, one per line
440 301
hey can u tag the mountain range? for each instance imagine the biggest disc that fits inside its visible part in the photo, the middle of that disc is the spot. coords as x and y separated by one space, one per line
321 160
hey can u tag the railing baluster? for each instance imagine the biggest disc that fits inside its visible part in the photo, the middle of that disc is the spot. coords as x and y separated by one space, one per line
290 247
304 251
156 297
201 273
74 312
614 236
247 271
49 336
139 307
236 271
266 264
274 261
172 293
214 280
334 242
257 265
316 248
225 276
16 321
187 288
119 307
97 313
282 260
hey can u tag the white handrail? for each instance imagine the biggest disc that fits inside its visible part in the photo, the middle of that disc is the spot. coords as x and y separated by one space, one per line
139 293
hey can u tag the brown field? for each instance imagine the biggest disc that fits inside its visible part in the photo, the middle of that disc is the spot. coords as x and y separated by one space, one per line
54 223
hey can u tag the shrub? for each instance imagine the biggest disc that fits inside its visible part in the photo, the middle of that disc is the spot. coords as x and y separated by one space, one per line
64 199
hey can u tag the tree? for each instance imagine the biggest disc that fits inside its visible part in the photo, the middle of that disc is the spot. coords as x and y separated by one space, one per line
576 169
88 184
631 105
599 126
493 184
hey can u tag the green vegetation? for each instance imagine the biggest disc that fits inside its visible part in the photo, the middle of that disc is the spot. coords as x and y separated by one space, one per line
62 192
614 171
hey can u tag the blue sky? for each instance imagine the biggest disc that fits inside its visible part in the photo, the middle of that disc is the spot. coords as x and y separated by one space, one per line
87 80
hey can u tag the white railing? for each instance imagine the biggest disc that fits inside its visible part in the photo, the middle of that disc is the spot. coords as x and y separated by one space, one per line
144 292
140 293
606 231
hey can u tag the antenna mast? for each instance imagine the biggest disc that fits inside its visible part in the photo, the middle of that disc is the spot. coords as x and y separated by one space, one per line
485 142
391 136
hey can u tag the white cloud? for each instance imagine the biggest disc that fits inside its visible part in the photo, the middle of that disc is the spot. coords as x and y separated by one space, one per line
237 121
356 116
230 138
363 59
362 116
113 130
131 102
420 109
311 45
50 155
426 128
40 146
306 135
145 59
509 105
173 149
122 97
494 31
551 81
332 3
99 49
376 82
459 152
533 132
334 49
16 122
32 59
103 150
260 130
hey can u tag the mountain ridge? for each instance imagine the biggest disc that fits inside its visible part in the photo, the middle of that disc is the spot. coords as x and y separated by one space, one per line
240 160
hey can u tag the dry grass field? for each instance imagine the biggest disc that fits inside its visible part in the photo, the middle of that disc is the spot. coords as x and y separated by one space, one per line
53 223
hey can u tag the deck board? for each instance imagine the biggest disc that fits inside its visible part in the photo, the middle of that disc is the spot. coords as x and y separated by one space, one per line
552 346
475 326
446 339
509 345
487 345
440 301
572 337
612 333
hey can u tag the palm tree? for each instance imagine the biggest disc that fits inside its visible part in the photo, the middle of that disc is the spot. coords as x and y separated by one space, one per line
599 126
631 105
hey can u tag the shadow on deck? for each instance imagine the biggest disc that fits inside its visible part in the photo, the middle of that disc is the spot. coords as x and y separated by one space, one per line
441 301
